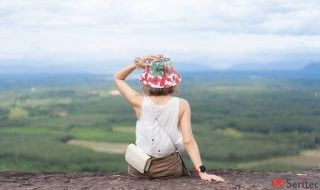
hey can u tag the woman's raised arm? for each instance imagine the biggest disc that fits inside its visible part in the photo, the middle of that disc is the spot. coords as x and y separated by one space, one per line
129 94
132 96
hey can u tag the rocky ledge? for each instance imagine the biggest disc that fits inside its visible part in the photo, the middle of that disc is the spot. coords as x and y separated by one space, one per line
234 180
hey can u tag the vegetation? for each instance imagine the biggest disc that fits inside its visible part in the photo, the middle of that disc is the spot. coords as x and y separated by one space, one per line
239 121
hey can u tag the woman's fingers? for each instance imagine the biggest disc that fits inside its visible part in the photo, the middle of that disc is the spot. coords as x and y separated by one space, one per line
155 55
217 178
146 60
152 57
209 177
205 177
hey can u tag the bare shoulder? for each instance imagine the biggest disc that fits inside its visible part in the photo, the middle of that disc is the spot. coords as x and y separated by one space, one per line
183 105
184 110
183 102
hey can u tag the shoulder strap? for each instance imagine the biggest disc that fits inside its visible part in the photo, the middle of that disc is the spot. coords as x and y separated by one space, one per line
176 148
169 138
186 172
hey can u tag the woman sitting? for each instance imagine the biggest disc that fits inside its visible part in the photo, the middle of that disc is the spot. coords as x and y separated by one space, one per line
163 127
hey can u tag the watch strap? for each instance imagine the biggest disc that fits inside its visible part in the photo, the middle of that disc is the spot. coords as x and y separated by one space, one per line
202 168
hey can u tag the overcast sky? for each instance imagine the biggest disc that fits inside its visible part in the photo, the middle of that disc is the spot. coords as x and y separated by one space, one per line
218 33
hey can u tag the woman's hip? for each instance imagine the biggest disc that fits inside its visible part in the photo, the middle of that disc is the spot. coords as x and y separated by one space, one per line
167 167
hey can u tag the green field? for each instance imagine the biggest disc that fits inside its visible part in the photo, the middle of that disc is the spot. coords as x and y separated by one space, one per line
239 122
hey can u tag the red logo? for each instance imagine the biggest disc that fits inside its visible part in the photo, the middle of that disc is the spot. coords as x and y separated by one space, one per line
278 182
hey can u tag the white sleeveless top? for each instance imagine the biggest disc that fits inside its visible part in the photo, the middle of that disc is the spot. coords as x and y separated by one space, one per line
155 124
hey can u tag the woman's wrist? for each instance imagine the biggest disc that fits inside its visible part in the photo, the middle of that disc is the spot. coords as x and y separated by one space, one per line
133 65
198 172
122 74
136 62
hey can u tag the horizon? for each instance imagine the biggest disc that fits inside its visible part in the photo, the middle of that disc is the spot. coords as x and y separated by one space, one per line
305 70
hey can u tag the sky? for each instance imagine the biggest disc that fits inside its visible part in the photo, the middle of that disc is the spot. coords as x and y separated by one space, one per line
109 33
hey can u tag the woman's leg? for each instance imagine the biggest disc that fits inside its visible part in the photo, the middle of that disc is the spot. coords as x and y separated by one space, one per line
135 174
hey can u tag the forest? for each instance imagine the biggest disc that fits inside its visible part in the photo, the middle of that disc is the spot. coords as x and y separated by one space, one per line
79 122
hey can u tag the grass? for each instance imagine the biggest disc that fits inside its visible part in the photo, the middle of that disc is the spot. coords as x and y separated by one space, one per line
44 153
112 148
306 159
103 135
263 125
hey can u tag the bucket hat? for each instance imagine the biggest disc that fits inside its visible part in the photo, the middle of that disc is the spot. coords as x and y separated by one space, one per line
160 74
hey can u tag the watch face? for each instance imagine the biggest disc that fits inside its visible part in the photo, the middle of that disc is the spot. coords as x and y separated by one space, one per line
202 168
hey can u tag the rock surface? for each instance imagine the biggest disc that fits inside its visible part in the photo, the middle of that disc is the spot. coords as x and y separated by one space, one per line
234 180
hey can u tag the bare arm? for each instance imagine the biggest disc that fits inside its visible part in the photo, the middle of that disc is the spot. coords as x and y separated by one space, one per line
130 95
190 143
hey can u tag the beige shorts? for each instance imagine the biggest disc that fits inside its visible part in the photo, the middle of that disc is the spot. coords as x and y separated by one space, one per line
171 166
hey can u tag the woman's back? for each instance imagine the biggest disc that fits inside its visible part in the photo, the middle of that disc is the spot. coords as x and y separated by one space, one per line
157 128
156 122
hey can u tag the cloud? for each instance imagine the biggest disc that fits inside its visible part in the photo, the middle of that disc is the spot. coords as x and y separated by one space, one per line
218 32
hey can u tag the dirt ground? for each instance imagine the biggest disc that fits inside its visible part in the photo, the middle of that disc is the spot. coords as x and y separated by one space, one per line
234 180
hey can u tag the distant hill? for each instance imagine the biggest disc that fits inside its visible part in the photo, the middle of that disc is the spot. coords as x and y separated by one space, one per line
312 66
108 68
266 66
192 67
38 67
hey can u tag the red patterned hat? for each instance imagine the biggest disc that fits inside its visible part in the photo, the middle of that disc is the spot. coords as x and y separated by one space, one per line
160 74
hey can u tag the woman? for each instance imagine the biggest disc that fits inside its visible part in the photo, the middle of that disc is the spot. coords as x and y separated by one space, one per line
163 121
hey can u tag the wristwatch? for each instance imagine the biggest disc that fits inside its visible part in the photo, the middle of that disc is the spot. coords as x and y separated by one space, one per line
202 168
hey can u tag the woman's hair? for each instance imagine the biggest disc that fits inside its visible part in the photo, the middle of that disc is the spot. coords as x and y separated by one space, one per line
159 91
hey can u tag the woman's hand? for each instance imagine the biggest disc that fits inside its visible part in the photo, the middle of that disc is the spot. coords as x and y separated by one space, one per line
146 60
208 177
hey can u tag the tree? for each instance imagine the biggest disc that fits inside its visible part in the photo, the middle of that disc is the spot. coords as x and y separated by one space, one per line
18 113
